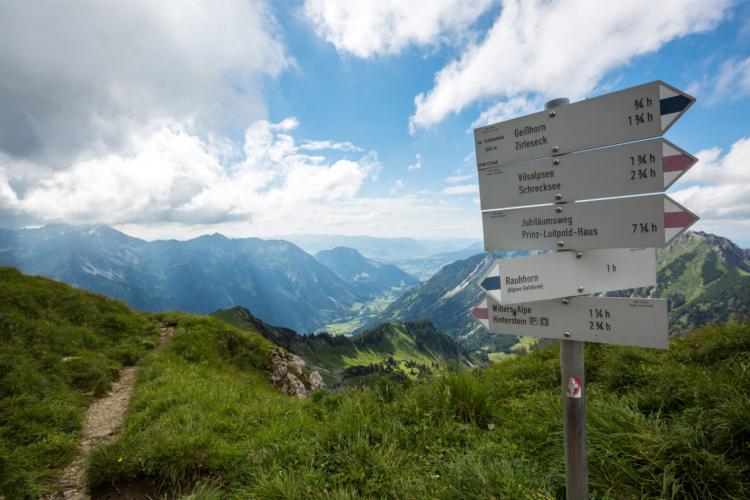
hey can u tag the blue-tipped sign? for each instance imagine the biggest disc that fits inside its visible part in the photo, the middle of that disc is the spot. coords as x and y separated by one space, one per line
632 114
564 274
490 283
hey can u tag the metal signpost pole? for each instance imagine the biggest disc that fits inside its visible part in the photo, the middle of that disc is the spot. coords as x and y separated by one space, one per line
574 411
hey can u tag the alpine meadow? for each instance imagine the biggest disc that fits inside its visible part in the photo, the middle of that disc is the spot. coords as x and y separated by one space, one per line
323 249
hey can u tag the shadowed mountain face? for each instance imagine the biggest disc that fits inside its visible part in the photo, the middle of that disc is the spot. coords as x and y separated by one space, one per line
705 277
366 276
446 299
276 278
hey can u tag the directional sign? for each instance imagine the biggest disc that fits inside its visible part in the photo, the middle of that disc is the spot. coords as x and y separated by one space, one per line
635 222
649 166
564 274
628 115
634 322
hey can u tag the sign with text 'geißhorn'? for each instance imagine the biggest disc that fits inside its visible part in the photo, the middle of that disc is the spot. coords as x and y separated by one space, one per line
632 114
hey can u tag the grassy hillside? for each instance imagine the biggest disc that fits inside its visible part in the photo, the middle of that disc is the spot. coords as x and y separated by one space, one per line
660 424
410 349
60 348
706 279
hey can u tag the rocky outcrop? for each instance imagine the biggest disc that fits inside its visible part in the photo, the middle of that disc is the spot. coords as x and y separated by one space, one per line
288 374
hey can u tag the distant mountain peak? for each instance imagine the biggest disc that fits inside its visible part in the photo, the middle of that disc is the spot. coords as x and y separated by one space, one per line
368 276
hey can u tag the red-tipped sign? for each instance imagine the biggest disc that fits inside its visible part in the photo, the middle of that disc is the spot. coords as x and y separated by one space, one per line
676 219
481 314
606 320
643 167
635 222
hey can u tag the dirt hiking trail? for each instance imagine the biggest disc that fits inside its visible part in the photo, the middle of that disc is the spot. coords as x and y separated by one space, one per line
101 424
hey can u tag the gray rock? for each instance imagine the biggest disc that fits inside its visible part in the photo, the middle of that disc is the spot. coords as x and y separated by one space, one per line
287 374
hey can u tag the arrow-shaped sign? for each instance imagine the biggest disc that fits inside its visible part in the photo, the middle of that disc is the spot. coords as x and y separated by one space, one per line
632 114
480 313
635 222
634 322
564 274
643 167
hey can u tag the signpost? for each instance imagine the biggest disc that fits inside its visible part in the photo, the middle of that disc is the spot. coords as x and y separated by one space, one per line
550 157
564 274
636 168
632 114
605 320
635 222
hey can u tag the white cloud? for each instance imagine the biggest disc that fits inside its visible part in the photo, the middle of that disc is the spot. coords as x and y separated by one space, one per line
462 189
730 82
176 176
83 77
562 48
459 178
717 188
368 28
180 185
330 145
417 165
507 109
397 185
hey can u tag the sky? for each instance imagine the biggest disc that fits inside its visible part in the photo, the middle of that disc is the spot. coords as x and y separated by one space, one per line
251 118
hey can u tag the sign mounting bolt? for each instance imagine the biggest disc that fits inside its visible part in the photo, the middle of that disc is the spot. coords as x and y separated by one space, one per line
565 301
555 162
555 149
552 114
580 288
561 243
558 196
567 334
558 210
579 255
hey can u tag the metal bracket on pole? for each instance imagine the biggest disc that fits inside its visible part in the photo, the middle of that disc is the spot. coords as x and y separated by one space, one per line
574 411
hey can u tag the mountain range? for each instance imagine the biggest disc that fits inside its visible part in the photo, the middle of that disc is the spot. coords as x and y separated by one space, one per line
277 279
706 278
391 250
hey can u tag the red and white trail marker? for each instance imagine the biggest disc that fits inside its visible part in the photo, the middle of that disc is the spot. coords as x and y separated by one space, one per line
481 314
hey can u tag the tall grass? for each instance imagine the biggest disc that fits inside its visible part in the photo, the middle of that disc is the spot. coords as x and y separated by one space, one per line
660 425
60 348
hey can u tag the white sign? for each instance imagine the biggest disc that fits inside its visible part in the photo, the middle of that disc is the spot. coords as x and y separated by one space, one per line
643 167
636 222
633 322
564 274
632 114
